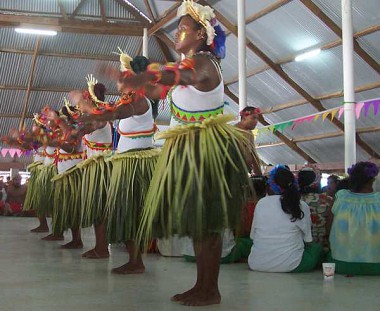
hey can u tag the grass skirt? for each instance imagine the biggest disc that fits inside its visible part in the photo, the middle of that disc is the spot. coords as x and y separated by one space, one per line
95 183
32 193
200 184
67 211
131 175
44 205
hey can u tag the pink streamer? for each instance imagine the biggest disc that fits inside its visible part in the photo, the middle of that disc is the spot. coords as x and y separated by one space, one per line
358 109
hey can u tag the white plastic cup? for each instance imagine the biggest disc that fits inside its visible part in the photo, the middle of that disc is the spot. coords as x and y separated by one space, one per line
328 270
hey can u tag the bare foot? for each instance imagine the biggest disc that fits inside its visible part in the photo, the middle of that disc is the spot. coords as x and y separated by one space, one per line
94 254
40 229
129 268
202 298
73 245
52 237
184 295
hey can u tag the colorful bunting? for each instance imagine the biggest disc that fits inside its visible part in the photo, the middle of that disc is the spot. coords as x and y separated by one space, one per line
366 105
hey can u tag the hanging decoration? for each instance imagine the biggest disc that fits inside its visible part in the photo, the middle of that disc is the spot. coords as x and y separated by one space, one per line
330 113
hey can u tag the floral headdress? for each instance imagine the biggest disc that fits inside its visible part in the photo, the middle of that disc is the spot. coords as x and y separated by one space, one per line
205 16
249 112
125 60
39 119
91 82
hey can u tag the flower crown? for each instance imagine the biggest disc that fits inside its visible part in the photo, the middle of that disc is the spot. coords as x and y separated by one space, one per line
371 170
247 113
202 14
39 119
125 60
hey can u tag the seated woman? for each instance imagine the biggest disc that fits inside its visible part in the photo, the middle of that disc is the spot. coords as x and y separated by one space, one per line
280 227
319 203
355 232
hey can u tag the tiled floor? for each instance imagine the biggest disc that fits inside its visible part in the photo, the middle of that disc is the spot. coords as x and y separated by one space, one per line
37 275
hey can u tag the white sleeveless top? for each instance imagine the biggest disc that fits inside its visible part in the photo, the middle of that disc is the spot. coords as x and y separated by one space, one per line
49 155
98 141
38 155
190 105
68 160
136 132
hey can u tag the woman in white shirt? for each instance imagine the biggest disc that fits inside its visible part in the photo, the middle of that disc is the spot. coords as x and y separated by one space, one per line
281 227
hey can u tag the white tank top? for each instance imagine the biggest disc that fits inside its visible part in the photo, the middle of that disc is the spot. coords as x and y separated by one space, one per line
50 154
190 105
98 141
38 155
136 132
68 160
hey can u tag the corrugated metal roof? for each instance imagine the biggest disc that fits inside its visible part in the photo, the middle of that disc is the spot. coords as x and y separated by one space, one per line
364 13
288 30
324 74
370 44
15 69
45 6
11 102
280 154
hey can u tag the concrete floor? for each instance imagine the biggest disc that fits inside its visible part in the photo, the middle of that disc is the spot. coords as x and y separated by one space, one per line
37 275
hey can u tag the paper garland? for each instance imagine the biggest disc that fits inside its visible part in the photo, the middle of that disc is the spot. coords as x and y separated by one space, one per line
12 152
330 113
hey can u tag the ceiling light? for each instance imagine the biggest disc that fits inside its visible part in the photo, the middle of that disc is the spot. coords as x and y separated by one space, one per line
307 55
36 31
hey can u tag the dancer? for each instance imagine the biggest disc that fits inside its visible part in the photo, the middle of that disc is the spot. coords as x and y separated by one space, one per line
132 165
200 182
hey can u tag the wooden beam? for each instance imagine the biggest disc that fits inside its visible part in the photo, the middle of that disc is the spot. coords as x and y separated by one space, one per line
290 58
164 38
111 58
321 136
77 9
168 16
301 102
150 12
165 50
72 26
281 136
30 81
266 10
14 116
42 89
132 11
62 9
277 68
336 29
102 11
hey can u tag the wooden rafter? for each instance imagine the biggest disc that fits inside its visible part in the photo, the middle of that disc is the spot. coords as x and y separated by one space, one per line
150 12
279 71
266 10
373 129
62 9
281 136
168 16
112 58
338 31
132 11
102 11
72 26
77 9
303 101
30 82
41 89
165 49
290 58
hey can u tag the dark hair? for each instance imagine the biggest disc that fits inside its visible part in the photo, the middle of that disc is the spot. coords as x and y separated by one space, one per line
100 91
260 186
343 184
290 198
66 113
335 178
305 179
361 173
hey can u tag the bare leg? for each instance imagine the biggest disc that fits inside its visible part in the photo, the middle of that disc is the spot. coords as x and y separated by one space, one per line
101 246
43 227
135 264
76 241
206 291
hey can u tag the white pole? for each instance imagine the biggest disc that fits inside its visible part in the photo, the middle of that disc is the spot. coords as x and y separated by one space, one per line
145 43
349 91
242 55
